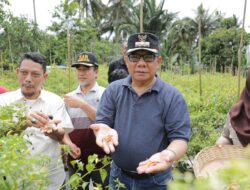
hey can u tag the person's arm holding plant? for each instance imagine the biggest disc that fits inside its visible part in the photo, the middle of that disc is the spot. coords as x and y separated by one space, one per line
75 151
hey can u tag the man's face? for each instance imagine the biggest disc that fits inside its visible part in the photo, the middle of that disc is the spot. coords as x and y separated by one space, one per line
31 78
143 65
86 76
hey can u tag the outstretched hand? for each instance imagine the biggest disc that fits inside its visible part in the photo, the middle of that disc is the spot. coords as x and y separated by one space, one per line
156 163
106 137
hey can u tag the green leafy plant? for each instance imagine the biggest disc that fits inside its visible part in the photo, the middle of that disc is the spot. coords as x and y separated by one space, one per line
77 180
18 170
12 119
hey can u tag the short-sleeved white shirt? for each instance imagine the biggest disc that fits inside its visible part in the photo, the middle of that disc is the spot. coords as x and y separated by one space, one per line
78 117
50 104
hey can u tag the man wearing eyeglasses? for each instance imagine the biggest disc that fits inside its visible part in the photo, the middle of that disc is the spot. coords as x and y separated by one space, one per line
142 121
47 118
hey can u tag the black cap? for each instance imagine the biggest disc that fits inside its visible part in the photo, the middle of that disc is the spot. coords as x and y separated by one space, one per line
86 59
143 41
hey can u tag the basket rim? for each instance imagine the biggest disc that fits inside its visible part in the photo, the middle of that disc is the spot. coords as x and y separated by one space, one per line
215 154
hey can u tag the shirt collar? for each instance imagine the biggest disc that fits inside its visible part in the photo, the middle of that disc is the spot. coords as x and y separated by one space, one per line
93 89
20 95
156 87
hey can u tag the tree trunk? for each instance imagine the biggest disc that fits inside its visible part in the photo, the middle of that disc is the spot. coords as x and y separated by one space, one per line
34 9
200 58
240 47
10 52
141 15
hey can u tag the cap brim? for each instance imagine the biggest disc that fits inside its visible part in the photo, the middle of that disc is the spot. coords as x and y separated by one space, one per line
147 49
85 64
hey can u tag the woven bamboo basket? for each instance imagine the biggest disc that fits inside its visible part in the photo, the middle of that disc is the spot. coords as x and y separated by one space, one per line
209 160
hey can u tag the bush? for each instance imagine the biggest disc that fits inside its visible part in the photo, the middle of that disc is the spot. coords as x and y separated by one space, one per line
17 169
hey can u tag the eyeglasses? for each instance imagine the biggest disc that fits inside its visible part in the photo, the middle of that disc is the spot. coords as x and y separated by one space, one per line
146 57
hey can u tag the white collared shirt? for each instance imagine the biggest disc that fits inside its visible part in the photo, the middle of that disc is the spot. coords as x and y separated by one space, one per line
79 118
50 104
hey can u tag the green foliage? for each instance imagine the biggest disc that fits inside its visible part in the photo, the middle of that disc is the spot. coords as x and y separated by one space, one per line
156 19
77 180
103 75
60 82
231 22
2 12
13 43
12 119
223 44
119 185
84 33
18 170
207 113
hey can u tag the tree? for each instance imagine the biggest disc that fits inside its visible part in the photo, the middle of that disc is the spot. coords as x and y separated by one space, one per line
209 22
223 44
183 35
28 38
91 8
118 13
230 22
2 12
84 34
156 20
180 41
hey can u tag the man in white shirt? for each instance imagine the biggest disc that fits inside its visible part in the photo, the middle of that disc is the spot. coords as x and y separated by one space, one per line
47 119
81 105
